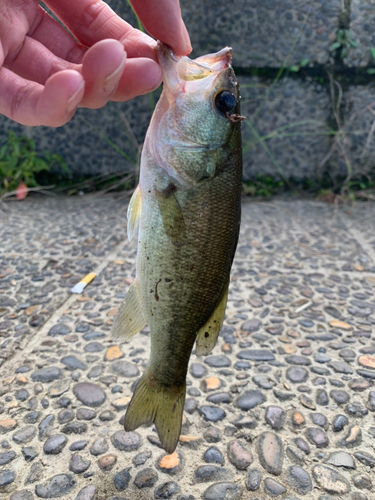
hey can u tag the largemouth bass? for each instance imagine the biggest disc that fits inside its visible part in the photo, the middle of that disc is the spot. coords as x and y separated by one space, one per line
186 213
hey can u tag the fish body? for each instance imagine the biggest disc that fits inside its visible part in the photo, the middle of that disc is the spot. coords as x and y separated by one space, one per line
186 214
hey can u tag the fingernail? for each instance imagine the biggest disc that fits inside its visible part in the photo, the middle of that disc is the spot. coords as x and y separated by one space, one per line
186 38
112 80
76 98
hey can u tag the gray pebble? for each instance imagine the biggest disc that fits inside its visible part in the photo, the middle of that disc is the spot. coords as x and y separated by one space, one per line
122 479
146 478
223 491
89 394
141 458
317 437
250 399
59 329
256 355
126 441
78 465
166 490
297 374
57 486
7 476
64 416
7 457
341 459
220 361
362 481
29 453
78 445
339 396
124 369
85 414
330 480
45 427
54 444
271 452
99 446
212 413
213 456
299 480
210 473
273 487
239 455
24 435
87 493
198 370
275 417
73 363
253 479
46 375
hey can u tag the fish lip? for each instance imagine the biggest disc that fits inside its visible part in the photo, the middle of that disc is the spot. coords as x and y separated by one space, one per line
212 63
165 51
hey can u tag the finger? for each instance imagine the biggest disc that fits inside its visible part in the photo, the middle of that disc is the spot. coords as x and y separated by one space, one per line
162 19
36 63
141 76
31 104
56 38
102 67
93 20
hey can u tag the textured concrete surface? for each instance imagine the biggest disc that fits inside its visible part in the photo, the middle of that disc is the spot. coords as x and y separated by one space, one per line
283 407
275 141
362 28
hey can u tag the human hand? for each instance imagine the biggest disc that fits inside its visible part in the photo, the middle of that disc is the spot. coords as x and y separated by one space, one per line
45 74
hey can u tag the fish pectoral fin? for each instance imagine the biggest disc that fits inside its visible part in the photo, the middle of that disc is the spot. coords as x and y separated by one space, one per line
130 318
154 403
171 214
208 334
134 213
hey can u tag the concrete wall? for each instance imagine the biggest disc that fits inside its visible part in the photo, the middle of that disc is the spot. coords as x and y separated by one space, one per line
291 128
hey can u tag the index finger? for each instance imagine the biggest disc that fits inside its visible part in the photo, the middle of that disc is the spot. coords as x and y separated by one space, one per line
91 21
162 19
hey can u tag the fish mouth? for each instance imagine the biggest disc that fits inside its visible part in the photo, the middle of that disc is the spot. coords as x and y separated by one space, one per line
178 71
194 69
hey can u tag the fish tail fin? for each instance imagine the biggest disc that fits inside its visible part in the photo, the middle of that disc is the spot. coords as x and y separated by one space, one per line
154 403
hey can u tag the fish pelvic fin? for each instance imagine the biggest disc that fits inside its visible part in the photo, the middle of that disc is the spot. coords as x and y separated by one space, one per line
134 213
208 334
171 214
158 404
130 318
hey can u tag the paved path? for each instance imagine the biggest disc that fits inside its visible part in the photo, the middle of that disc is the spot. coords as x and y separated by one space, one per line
283 408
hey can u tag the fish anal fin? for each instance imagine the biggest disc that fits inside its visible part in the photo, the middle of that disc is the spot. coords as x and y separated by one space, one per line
134 213
130 318
208 334
171 214
155 403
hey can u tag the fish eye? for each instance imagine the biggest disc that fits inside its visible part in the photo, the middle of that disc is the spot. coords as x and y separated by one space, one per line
225 102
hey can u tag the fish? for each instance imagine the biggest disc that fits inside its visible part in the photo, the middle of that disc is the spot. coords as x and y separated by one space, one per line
186 214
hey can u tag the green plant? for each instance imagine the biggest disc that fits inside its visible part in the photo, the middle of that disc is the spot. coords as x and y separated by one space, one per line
19 162
344 40
296 67
371 71
264 186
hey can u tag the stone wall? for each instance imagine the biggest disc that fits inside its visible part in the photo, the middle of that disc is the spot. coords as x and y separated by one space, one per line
299 125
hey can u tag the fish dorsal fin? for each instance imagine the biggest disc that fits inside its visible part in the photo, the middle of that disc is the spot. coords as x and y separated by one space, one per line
170 211
134 213
208 334
130 318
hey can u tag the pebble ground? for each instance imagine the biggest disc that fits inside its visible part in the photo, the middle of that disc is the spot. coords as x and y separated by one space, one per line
283 407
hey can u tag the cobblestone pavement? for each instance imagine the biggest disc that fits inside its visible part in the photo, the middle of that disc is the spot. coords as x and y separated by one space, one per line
283 408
